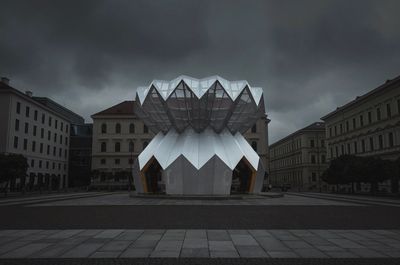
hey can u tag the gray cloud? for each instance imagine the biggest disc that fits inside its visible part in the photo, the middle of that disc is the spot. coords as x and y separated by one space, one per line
310 56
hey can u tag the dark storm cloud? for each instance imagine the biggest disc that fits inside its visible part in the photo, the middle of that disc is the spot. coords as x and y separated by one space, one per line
309 56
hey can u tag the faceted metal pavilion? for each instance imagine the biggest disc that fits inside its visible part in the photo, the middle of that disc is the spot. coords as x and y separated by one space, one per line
199 148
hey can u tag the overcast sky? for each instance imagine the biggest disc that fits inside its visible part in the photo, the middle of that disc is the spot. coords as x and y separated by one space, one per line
309 56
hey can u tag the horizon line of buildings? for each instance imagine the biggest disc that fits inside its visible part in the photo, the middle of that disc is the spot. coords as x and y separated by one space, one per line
64 151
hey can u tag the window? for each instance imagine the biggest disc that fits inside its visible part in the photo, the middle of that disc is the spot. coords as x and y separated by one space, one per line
65 153
54 151
60 139
66 128
378 114
254 145
25 144
41 148
131 128
363 146
254 128
361 120
48 135
60 152
380 140
56 123
145 129
34 130
18 107
48 149
354 123
49 121
40 163
130 161
55 137
26 127
103 147
47 164
391 142
62 126
341 128
117 161
312 143
145 144
16 125
117 147
118 128
35 114
66 140
32 163
15 142
54 165
43 118
331 151
313 176
41 133
27 111
371 144
355 148
131 146
347 126
342 149
388 110
348 148
330 131
335 130
323 143
369 117
313 159
103 161
323 159
104 128
33 146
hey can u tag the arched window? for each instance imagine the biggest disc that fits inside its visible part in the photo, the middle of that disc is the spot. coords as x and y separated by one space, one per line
103 147
131 146
145 144
104 128
145 129
131 128
254 128
254 145
117 128
117 147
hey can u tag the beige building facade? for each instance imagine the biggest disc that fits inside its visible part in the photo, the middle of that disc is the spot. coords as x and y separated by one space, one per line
119 137
37 132
367 126
299 159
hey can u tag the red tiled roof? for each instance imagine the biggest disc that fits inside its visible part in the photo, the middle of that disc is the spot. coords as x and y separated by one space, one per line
123 108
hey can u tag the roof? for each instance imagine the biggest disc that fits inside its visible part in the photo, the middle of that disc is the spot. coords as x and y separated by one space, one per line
316 126
199 103
6 87
72 116
388 84
123 108
200 86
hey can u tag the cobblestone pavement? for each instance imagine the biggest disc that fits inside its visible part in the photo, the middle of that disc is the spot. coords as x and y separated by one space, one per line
120 243
198 261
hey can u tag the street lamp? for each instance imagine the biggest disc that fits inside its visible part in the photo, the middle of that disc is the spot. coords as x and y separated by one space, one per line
131 165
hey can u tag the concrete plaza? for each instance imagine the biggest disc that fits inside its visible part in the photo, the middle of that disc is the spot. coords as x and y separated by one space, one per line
108 226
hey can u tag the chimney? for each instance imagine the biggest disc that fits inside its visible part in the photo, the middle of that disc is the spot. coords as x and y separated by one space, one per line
5 80
28 93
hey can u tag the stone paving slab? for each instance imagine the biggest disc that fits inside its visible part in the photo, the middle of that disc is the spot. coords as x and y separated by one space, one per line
113 243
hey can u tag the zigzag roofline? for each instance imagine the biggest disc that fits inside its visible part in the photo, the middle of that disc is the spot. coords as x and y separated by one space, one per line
199 87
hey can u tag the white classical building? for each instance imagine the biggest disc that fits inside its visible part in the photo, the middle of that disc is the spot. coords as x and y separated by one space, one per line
34 130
